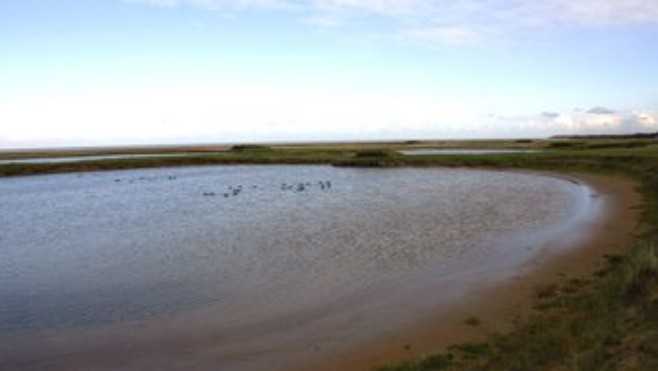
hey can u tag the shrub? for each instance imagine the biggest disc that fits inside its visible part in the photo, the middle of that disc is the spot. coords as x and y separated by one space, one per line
249 147
374 153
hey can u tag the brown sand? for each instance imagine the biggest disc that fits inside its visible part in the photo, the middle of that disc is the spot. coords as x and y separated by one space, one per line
499 307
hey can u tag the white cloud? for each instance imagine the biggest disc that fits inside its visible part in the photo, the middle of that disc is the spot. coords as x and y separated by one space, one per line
394 8
171 3
610 12
595 121
601 111
454 13
449 22
549 115
449 36
220 4
647 119
599 12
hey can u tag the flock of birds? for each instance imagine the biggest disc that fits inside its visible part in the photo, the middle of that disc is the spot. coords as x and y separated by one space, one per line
230 191
294 187
145 178
236 190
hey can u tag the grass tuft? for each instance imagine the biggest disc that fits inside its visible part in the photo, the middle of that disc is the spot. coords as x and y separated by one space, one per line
640 270
435 362
472 321
472 350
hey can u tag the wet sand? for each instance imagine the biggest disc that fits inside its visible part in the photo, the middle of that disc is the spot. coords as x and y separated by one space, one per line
498 306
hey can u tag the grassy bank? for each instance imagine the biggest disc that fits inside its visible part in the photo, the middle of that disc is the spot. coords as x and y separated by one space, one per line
594 154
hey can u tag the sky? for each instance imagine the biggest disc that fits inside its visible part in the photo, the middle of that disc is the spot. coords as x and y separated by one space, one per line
117 72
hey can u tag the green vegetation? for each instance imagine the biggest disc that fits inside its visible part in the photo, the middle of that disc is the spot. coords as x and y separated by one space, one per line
549 154
434 362
472 321
612 325
605 322
249 147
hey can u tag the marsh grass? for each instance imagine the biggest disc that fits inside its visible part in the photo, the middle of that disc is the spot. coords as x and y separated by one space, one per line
599 155
433 362
612 325
473 321
639 271
471 350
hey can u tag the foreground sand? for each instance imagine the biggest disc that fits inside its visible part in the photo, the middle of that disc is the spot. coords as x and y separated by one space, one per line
498 307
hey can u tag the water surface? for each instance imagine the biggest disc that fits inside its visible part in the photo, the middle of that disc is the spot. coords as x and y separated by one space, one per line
252 248
65 159
463 151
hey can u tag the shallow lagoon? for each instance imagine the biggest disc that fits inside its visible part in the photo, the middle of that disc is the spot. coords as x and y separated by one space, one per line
66 159
464 151
244 251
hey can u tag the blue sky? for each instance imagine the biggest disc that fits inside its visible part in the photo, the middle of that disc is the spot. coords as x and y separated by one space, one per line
81 72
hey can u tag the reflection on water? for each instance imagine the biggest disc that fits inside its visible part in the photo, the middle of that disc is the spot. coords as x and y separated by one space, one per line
252 242
463 151
63 159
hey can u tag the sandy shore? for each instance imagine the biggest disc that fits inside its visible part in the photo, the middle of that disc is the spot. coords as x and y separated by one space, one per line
499 306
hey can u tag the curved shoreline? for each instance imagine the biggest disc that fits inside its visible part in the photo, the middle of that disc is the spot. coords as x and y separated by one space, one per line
498 307
495 304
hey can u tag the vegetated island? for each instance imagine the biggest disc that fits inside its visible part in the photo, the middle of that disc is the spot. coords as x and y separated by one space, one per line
608 321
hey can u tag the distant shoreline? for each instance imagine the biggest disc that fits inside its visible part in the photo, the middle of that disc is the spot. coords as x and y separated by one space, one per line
543 154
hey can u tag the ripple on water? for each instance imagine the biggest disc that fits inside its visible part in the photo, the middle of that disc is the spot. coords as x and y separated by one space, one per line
93 248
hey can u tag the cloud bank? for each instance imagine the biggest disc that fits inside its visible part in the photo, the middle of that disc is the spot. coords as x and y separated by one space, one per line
220 4
597 120
448 21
